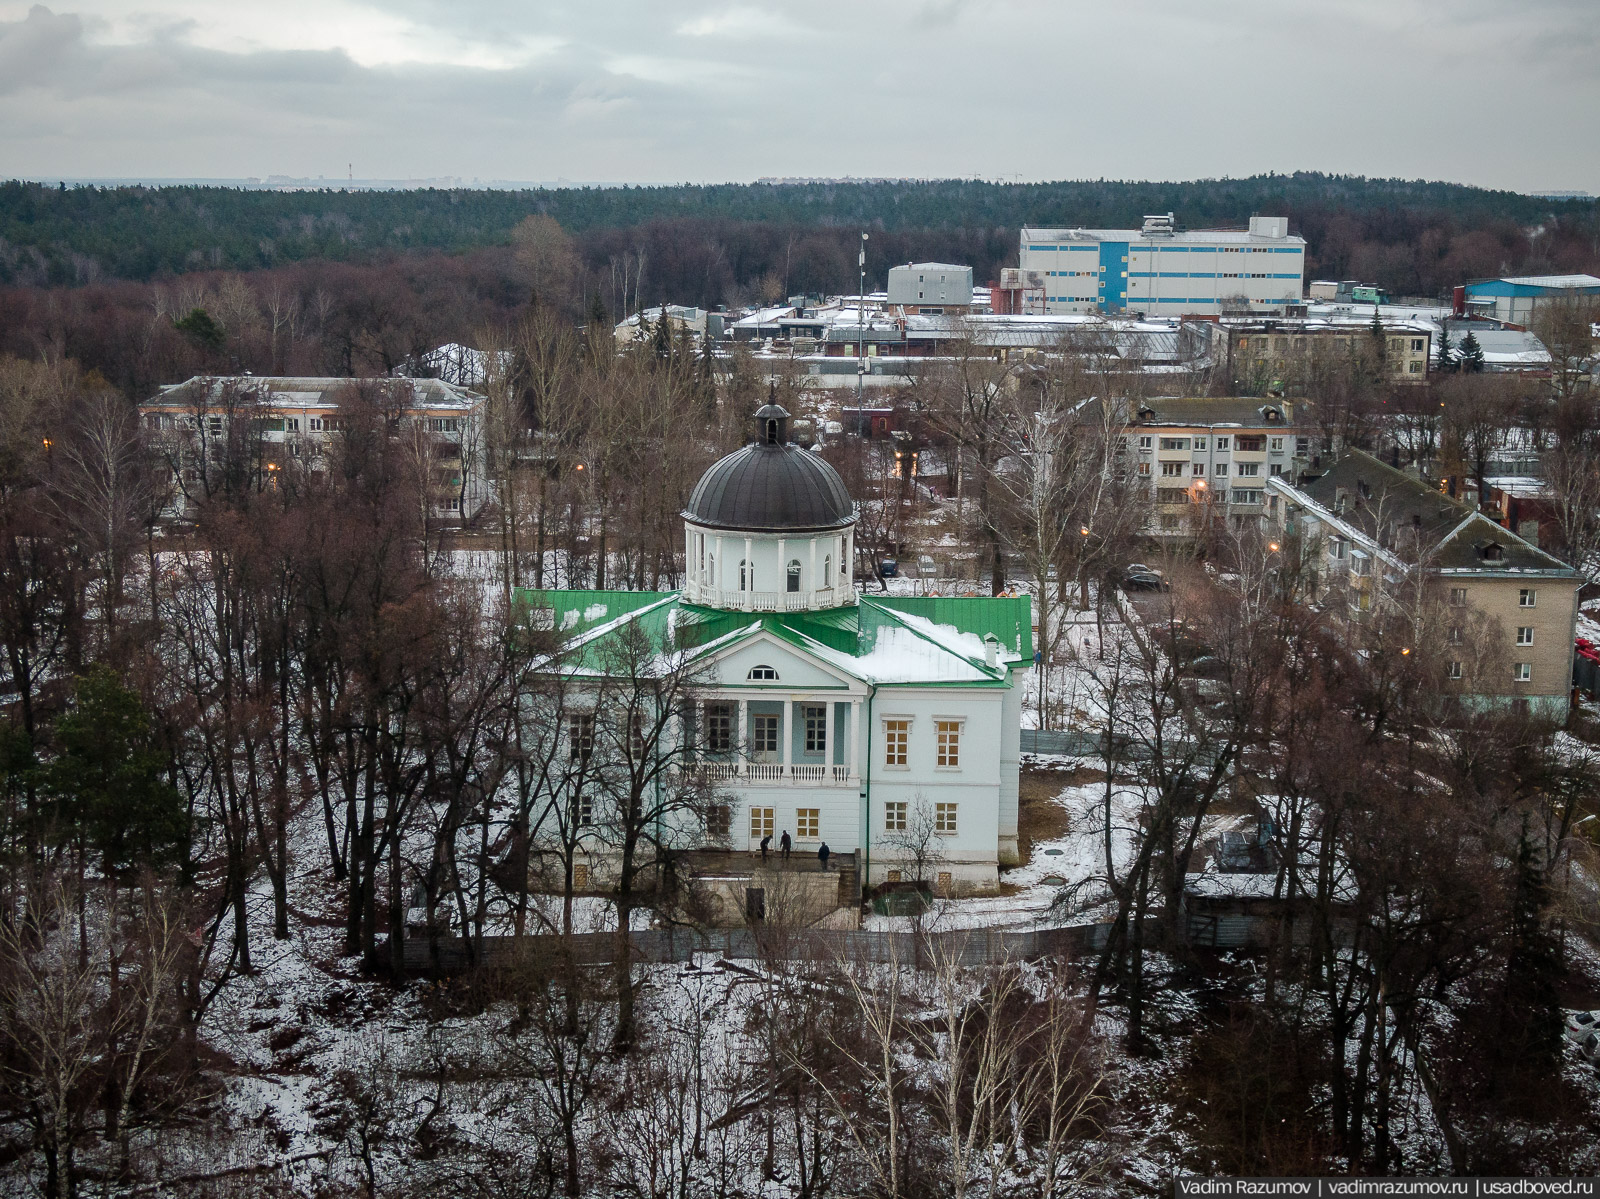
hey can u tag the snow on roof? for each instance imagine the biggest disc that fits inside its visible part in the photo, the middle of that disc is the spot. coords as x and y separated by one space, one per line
269 391
1552 280
1218 236
903 655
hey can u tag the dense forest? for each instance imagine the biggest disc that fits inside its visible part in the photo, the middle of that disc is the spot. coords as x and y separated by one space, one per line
707 244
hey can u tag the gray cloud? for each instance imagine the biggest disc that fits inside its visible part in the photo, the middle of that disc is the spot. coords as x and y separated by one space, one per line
627 90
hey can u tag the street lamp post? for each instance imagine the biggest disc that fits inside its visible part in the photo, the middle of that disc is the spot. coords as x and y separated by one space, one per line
861 324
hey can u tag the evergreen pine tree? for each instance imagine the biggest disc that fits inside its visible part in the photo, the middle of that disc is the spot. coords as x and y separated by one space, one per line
1446 360
108 781
662 342
1470 354
1531 1015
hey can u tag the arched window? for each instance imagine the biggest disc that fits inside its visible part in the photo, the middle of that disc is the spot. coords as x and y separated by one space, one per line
827 570
762 674
746 574
794 575
772 432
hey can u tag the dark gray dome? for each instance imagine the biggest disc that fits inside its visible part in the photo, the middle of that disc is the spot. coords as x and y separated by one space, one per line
771 488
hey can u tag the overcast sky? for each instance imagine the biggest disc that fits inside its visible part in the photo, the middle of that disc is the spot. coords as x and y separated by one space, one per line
1477 91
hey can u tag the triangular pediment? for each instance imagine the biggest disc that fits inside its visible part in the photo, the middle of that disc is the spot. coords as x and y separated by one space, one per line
730 663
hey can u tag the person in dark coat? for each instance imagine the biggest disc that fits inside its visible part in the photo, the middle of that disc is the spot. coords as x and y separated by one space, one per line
822 855
766 843
785 844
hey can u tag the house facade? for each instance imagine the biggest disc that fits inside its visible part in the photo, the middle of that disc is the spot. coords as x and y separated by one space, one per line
1501 613
886 727
269 425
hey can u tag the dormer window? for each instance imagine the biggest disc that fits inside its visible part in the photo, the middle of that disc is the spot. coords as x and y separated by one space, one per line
1491 552
762 674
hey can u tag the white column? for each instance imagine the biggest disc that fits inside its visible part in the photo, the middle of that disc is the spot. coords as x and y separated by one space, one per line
691 575
749 573
783 568
855 738
786 735
718 574
827 737
811 577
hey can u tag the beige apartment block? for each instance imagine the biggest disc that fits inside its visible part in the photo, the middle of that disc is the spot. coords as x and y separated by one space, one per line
1263 352
1207 459
1499 613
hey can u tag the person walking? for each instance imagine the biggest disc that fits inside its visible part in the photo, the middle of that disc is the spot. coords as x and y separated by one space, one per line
766 843
822 855
785 844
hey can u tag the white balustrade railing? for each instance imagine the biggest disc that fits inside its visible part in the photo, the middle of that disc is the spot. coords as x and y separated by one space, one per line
814 774
763 601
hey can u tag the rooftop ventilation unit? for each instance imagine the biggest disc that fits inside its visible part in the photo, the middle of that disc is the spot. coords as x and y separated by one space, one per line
1159 225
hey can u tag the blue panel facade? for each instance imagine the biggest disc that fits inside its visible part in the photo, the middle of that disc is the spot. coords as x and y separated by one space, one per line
1113 276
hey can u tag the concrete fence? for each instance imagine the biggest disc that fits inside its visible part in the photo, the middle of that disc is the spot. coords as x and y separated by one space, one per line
1225 924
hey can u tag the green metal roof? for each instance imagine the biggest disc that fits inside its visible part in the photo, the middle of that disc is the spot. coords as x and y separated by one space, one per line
851 632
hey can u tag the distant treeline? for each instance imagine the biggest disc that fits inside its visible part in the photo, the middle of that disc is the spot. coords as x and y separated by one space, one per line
711 244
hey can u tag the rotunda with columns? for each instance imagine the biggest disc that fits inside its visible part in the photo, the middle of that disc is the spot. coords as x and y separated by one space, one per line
770 528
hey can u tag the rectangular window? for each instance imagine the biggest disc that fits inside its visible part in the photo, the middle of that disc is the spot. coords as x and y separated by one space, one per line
1222 443
816 719
719 820
1198 469
896 736
1248 470
580 876
894 816
808 823
580 736
1523 672
1336 548
1174 443
1171 495
1452 635
1144 443
1455 670
761 823
948 733
1458 597
1246 497
1527 598
1302 446
944 819
764 734
1276 445
1416 345
1220 470
719 728
1249 443
1144 468
585 808
1172 470
1525 634
1199 443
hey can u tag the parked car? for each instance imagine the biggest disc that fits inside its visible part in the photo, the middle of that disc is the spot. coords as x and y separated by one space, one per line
1581 1024
1589 1048
890 568
1143 580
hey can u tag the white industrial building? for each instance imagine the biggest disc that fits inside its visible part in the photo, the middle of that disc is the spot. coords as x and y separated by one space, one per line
930 287
1161 269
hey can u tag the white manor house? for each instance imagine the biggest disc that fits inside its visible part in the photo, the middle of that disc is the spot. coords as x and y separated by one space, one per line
854 720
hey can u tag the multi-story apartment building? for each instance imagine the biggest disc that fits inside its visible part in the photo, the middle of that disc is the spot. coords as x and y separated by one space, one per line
265 426
1207 459
1160 269
1501 613
1259 353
